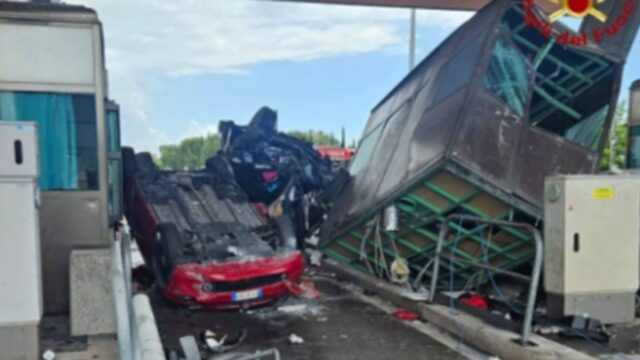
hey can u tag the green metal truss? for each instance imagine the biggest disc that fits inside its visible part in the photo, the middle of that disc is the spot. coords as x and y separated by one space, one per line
422 211
572 77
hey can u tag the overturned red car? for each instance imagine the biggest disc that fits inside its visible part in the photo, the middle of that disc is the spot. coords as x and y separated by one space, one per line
228 236
208 246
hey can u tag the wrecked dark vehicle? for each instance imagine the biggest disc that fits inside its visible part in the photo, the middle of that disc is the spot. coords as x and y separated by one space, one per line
229 236
287 175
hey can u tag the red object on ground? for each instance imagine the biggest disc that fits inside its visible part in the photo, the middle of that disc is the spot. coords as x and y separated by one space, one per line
405 314
234 285
306 289
475 301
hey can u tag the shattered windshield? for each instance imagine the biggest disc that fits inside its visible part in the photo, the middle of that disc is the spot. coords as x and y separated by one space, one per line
587 132
508 75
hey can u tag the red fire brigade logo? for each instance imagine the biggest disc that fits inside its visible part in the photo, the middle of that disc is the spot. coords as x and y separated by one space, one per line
578 9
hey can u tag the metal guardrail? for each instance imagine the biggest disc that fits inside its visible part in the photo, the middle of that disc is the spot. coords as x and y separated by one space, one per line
534 279
138 337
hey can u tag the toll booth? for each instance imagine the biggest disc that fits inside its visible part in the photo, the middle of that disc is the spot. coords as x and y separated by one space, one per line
52 72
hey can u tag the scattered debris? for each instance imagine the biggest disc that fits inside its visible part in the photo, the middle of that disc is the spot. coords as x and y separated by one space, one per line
421 294
293 308
190 348
400 271
404 314
305 289
211 342
295 339
260 354
315 258
313 240
219 344
49 355
546 330
476 301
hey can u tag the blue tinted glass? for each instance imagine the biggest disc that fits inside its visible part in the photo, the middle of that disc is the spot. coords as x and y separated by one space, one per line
634 147
588 131
365 150
67 136
508 76
458 71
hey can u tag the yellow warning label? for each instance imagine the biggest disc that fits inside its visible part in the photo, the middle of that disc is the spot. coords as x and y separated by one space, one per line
603 193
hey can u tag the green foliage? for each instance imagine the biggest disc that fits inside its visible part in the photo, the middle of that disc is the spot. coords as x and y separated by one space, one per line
190 154
315 137
619 140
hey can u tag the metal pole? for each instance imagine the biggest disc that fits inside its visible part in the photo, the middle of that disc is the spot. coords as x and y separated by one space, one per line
444 230
120 302
148 343
412 41
535 272
533 289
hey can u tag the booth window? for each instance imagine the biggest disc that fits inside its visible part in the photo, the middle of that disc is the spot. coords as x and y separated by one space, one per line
634 147
67 132
114 161
365 150
587 132
458 71
508 75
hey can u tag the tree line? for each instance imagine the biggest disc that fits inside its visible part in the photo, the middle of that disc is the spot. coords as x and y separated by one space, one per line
192 153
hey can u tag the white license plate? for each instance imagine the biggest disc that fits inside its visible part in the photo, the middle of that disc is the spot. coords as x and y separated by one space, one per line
246 295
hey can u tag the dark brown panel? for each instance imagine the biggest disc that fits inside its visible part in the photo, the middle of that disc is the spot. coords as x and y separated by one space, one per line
488 139
472 5
623 17
544 154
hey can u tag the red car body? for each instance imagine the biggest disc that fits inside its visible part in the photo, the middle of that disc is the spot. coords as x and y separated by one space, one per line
267 278
224 285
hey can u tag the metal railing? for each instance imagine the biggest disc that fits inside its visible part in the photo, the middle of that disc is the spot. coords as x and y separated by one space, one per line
534 279
138 337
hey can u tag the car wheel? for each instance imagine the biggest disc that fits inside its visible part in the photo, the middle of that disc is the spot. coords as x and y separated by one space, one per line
129 162
167 238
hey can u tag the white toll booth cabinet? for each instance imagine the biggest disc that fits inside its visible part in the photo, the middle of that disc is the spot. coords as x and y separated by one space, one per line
20 269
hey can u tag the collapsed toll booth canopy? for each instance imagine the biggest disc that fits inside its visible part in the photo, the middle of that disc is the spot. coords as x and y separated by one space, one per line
475 129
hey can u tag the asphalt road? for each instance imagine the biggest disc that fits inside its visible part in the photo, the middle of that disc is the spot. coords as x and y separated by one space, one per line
336 327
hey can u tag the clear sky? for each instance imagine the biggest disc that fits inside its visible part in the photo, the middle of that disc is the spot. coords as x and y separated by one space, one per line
178 67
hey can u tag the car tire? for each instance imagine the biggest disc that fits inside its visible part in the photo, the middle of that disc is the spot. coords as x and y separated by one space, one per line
145 163
129 162
167 242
